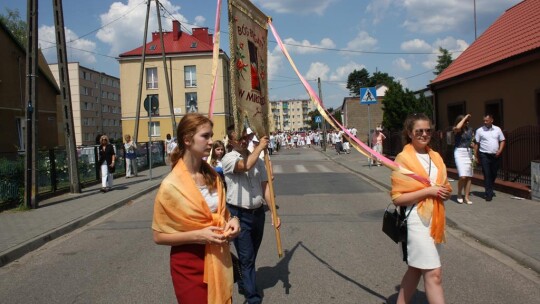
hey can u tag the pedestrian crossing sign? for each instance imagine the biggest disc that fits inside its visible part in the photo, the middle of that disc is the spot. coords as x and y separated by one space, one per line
318 119
368 95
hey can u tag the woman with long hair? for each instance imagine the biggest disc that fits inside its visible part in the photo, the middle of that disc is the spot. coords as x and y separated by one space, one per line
218 151
463 155
422 197
190 216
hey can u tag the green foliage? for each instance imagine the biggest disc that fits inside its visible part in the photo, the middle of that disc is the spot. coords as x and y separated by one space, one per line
362 79
313 125
17 26
398 103
443 61
380 78
357 80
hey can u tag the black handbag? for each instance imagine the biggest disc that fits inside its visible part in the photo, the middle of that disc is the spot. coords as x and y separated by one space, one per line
395 225
237 272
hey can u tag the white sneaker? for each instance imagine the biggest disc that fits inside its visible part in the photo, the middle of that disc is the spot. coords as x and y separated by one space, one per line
460 200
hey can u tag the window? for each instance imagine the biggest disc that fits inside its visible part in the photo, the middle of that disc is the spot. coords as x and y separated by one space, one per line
151 78
154 128
495 108
21 129
191 103
454 110
190 76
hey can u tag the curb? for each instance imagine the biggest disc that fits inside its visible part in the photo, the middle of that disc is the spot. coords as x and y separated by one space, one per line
18 251
514 254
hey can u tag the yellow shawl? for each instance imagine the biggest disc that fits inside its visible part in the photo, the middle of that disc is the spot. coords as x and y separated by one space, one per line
179 206
431 207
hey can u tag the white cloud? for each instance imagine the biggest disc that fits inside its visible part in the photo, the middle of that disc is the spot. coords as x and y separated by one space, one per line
377 9
125 27
435 16
362 42
342 72
77 49
416 45
306 47
275 62
453 45
316 70
200 20
402 64
297 6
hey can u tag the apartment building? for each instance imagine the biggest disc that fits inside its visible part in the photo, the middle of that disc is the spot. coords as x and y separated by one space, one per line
188 60
96 103
290 115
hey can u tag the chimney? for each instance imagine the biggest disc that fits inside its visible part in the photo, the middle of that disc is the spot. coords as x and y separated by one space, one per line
176 31
202 35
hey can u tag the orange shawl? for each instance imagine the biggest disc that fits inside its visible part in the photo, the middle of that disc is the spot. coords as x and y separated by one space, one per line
430 208
179 206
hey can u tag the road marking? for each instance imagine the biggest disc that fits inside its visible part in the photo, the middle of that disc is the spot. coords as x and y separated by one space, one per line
323 168
300 168
277 169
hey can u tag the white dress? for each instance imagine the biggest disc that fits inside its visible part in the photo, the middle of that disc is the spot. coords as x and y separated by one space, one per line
422 252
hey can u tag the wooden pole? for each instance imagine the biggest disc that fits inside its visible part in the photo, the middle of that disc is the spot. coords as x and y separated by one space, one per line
272 203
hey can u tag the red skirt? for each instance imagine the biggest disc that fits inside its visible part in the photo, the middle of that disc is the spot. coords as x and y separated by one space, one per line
187 271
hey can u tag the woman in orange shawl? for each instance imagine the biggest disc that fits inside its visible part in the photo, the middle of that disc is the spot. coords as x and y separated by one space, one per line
190 216
422 198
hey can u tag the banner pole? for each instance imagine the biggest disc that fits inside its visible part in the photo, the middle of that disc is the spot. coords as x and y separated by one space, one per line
272 203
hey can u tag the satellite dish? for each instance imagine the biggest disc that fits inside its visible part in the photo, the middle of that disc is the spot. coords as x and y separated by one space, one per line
151 102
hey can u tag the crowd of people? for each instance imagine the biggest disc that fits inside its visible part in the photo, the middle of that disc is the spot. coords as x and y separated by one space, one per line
217 193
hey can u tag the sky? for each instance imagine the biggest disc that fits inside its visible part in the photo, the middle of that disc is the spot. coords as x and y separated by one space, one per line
327 39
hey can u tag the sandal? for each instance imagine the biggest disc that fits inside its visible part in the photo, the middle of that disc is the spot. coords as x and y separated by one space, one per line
460 200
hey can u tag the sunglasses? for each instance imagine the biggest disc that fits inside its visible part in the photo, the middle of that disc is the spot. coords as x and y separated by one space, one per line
420 132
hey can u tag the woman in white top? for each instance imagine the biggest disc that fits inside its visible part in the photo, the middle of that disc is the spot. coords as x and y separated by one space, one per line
422 195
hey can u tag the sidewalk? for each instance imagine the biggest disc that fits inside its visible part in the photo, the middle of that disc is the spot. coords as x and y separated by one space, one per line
23 232
508 223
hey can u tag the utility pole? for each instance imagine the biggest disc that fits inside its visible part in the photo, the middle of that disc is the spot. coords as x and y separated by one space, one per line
167 83
324 122
65 92
31 105
474 3
143 58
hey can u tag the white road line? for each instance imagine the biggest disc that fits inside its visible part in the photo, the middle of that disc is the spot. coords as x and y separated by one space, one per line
323 168
300 168
277 169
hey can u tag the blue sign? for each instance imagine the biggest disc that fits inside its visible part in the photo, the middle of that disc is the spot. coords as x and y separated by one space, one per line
368 95
318 119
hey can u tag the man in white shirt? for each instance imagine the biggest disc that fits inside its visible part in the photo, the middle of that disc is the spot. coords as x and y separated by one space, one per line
488 149
247 192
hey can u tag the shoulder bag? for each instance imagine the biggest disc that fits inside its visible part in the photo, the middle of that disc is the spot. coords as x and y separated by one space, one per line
394 225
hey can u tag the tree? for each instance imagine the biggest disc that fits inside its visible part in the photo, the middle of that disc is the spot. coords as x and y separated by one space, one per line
357 80
16 26
398 103
443 61
380 78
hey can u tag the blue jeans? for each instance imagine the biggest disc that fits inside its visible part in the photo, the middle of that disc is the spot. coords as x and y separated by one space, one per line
247 246
490 166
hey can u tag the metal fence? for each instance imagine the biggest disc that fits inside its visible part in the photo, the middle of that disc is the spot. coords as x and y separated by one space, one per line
522 147
53 174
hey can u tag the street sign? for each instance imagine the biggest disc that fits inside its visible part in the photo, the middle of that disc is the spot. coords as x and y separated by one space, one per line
318 119
368 95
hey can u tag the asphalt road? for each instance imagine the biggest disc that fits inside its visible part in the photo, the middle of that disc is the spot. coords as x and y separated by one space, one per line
334 249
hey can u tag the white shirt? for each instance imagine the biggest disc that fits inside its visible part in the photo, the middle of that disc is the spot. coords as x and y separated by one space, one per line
244 188
489 139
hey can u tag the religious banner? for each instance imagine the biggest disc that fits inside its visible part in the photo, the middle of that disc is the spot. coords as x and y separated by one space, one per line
249 88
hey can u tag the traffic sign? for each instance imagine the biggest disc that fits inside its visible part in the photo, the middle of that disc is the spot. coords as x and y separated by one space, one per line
368 95
318 119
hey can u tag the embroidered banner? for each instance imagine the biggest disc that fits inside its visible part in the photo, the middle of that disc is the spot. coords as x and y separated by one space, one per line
248 66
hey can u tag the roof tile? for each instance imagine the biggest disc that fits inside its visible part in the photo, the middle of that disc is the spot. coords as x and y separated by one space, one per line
515 32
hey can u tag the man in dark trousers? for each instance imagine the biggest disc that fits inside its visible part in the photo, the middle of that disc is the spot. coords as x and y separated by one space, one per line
247 193
488 149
